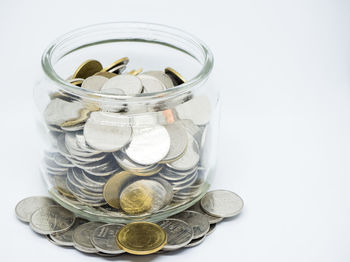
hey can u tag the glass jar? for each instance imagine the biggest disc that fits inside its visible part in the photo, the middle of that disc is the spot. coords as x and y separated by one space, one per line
119 158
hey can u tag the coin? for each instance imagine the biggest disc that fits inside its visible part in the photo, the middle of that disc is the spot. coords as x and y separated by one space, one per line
26 207
51 219
196 220
178 141
151 84
119 62
222 203
113 187
196 242
179 233
129 84
82 237
106 74
107 132
88 68
94 83
197 109
103 238
211 229
135 72
148 145
175 76
212 219
66 238
161 76
141 238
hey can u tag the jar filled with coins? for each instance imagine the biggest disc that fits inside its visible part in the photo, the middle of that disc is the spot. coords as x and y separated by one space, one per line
129 120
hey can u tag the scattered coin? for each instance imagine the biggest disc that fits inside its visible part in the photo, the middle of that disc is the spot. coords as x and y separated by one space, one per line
51 219
179 233
211 229
25 208
196 242
212 219
66 238
103 238
141 238
82 237
222 203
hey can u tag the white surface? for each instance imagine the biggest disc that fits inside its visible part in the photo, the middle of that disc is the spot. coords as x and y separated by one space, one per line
284 71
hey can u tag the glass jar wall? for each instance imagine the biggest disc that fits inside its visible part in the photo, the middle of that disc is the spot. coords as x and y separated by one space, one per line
143 151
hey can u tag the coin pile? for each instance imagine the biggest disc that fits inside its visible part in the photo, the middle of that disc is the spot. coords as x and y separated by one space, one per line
186 229
107 158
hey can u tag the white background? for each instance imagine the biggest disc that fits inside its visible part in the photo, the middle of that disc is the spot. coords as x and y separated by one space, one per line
283 67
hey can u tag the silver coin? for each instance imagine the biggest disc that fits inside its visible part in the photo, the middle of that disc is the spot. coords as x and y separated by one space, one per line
196 242
222 203
157 193
193 129
151 84
59 111
179 233
61 160
161 76
26 207
48 237
196 220
211 229
51 219
178 141
148 145
104 239
94 83
66 238
197 109
107 132
212 219
168 188
189 159
82 237
129 84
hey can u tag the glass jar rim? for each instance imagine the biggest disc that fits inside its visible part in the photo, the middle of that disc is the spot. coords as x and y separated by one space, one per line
206 67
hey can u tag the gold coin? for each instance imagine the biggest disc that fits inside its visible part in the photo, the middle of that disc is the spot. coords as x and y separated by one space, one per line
136 199
114 186
106 74
77 82
88 68
141 238
135 72
119 62
83 115
175 76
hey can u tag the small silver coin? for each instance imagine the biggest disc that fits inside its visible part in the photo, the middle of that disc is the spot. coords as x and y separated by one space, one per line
66 238
82 237
59 111
151 84
26 207
179 233
196 242
222 203
211 229
161 76
212 219
129 84
196 220
148 145
51 219
94 83
178 141
107 132
197 109
104 239
189 159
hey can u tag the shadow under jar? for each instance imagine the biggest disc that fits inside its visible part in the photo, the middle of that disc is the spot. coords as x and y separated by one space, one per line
119 157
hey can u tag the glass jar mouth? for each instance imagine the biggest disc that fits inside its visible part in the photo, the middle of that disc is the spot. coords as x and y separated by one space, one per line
159 30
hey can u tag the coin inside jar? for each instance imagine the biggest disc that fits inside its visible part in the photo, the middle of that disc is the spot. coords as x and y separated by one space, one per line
129 84
107 132
94 83
148 145
197 109
141 238
88 68
151 84
161 76
175 76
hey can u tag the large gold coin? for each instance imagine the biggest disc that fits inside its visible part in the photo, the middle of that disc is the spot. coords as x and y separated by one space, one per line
114 186
136 199
141 238
119 62
88 68
175 76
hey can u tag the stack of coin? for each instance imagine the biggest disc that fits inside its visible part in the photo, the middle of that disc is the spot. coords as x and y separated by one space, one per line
186 229
113 156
